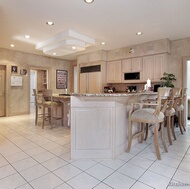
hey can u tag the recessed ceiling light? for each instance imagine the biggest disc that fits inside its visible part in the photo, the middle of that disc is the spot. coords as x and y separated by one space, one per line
74 47
54 53
50 23
139 33
27 36
88 1
12 45
103 43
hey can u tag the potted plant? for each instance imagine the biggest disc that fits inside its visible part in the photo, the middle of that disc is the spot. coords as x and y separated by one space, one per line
167 80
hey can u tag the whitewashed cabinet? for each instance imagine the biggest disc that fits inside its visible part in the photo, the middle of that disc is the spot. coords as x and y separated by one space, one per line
131 65
114 71
154 67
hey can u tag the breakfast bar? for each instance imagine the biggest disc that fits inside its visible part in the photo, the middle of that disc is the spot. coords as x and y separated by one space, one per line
99 123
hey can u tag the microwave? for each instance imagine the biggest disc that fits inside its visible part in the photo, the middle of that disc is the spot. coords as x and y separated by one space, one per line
132 76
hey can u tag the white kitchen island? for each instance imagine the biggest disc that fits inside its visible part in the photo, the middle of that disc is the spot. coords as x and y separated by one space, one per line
99 124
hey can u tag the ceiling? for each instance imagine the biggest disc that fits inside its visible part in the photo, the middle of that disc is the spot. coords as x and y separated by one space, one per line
113 21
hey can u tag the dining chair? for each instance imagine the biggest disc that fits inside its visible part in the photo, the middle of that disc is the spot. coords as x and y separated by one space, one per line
170 112
180 106
146 115
38 104
49 105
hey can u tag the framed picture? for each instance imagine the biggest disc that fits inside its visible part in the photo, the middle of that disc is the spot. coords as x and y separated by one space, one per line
61 79
14 69
23 72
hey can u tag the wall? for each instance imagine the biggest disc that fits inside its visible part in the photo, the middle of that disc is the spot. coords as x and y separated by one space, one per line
17 98
179 49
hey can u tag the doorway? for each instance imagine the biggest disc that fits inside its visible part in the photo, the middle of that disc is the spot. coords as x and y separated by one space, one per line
186 84
2 91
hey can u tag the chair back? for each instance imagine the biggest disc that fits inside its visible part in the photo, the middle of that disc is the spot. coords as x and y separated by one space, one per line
174 97
38 98
47 95
163 94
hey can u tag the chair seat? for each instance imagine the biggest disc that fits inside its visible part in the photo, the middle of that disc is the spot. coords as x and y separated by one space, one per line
170 112
146 115
49 103
180 107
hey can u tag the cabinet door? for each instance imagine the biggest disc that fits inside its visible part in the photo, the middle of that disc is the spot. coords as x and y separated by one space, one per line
160 66
94 82
136 64
126 65
83 83
114 71
148 68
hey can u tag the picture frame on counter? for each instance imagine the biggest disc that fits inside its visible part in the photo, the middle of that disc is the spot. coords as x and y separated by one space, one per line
14 69
61 79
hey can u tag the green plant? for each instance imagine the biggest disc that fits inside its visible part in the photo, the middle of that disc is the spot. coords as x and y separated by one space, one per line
167 80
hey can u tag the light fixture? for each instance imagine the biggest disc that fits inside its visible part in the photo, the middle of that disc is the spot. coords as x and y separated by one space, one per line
27 36
88 1
12 45
64 43
54 53
50 23
103 43
139 33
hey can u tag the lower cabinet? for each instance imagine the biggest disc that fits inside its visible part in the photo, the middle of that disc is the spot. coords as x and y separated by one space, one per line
90 82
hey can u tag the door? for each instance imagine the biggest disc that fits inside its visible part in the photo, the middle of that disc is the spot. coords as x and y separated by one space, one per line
94 82
32 84
2 91
83 83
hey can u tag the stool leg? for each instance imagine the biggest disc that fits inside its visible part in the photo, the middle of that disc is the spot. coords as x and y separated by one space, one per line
182 120
156 141
162 137
179 122
36 118
129 135
172 127
62 115
142 132
146 134
43 117
168 129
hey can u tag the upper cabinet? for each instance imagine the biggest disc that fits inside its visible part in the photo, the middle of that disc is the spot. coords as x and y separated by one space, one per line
131 65
154 67
114 71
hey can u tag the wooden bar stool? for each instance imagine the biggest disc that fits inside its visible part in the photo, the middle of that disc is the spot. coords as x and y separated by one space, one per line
149 116
170 112
38 104
180 103
50 105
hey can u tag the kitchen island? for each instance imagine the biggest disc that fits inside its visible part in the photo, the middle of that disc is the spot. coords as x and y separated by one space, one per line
99 124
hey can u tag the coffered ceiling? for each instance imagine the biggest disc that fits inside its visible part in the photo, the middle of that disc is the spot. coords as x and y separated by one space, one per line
115 22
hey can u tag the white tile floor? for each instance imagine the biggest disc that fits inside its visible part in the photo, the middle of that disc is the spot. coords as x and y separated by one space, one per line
34 158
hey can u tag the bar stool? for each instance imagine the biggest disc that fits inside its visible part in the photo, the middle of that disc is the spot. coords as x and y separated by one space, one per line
50 105
180 103
38 104
170 112
149 116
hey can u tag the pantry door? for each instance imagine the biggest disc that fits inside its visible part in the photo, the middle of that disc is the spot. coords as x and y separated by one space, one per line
2 91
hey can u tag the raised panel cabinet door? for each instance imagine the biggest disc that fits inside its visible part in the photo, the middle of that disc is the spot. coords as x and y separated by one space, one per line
94 82
83 83
126 65
159 66
136 64
110 71
117 71
148 68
